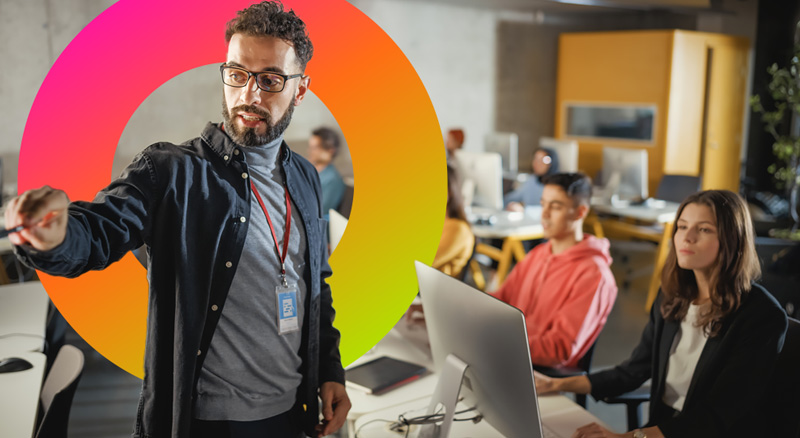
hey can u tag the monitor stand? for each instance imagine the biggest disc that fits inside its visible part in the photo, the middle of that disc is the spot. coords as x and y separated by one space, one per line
445 395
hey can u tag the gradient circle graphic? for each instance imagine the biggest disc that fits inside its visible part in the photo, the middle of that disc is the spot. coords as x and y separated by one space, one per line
384 112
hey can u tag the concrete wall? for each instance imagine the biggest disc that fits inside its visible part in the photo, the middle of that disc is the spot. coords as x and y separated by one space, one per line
453 51
528 60
485 69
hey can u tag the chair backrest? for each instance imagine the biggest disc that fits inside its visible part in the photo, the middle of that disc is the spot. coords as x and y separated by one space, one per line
676 188
58 391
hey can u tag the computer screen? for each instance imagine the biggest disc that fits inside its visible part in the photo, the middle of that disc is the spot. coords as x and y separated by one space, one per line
490 337
626 169
484 172
507 145
567 151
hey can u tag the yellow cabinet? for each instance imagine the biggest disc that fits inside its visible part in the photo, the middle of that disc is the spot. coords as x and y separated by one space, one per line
693 85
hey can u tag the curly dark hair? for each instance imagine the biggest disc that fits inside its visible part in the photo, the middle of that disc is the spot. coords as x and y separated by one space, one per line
269 19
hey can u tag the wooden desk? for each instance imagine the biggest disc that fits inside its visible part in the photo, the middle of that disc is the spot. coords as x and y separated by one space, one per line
626 221
513 228
23 317
19 397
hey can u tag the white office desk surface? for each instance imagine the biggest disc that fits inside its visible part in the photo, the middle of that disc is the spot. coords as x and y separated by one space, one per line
400 343
559 414
662 214
23 311
507 223
19 397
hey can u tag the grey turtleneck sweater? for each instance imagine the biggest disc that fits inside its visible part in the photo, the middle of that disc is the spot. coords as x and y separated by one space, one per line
251 371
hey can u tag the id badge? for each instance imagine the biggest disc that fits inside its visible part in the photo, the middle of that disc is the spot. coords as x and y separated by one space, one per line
288 320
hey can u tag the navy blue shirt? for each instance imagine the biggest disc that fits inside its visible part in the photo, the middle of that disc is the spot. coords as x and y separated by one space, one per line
190 204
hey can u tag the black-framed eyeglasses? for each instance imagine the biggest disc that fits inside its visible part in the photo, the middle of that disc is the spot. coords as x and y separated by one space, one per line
268 81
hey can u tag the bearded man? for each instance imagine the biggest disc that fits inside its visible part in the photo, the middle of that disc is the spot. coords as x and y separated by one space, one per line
240 336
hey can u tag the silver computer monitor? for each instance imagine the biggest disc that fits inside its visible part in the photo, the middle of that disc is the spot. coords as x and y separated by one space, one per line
489 337
567 151
482 173
507 145
626 171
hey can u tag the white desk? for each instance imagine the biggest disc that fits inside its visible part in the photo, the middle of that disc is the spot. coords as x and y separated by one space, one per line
558 413
402 342
19 397
23 317
409 343
651 214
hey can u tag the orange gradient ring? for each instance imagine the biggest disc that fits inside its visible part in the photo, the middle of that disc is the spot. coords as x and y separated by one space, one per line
384 112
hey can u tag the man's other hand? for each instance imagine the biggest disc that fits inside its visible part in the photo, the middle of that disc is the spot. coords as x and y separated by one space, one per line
44 212
335 406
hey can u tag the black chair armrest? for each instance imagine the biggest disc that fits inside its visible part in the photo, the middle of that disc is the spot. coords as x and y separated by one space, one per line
632 400
559 372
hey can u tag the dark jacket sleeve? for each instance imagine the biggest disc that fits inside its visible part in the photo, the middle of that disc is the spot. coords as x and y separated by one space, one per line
330 361
727 407
101 232
632 373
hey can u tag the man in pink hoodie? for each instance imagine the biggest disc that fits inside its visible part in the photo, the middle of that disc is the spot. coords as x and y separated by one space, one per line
564 286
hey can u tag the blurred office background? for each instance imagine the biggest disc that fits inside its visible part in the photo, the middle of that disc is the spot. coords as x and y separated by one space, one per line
488 65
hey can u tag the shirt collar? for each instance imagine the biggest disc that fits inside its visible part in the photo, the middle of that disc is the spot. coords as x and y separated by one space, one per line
222 145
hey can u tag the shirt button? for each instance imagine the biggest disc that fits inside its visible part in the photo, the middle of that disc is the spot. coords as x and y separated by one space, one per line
244 175
228 264
242 219
199 352
214 307
225 157
236 152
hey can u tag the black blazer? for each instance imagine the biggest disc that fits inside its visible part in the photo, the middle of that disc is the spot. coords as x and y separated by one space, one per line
728 385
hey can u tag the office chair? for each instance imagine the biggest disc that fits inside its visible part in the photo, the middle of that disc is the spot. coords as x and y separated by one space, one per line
580 369
782 403
58 391
474 268
633 404
55 334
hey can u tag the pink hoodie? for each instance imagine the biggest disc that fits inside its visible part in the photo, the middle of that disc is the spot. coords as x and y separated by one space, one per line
566 299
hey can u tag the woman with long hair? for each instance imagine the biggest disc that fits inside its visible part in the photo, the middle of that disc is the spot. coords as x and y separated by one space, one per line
713 337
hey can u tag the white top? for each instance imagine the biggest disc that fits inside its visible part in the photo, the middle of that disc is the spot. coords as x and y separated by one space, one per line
683 357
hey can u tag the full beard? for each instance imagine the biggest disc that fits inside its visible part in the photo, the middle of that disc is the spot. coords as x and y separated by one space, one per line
249 136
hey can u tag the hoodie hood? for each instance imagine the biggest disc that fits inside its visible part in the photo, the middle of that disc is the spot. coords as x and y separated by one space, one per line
590 246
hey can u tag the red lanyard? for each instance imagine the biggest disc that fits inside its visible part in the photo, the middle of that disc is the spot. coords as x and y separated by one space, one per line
282 257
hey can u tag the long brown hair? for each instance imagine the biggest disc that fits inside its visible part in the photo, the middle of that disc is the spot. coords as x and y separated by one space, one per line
732 273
